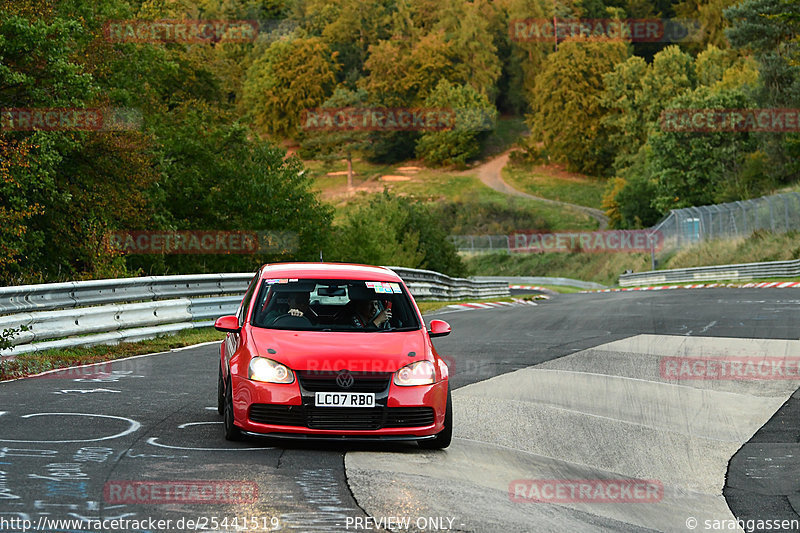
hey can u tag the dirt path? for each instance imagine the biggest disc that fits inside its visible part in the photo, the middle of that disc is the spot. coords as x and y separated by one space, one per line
490 173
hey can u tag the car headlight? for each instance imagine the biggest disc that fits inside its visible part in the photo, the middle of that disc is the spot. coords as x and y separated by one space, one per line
418 373
269 371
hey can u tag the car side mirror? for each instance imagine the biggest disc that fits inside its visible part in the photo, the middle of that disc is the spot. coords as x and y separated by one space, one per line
228 324
439 328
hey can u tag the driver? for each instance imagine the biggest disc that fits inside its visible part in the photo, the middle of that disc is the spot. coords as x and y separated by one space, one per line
296 305
365 314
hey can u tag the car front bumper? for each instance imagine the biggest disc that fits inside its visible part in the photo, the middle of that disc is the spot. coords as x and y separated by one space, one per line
401 413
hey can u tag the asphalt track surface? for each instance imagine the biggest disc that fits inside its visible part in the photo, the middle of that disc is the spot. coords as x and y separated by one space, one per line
64 439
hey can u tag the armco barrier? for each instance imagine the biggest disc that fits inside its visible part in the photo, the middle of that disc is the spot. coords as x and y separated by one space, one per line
540 280
741 272
108 311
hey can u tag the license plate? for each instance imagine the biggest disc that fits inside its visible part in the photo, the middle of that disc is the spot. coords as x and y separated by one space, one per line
344 399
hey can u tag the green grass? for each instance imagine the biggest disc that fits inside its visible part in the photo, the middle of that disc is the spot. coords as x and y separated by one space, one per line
34 363
570 188
478 209
429 307
561 289
760 246
605 268
734 282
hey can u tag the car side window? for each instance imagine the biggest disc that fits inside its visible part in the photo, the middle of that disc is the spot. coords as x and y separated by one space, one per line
246 300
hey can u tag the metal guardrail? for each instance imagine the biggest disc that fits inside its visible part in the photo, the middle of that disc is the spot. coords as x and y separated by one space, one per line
539 280
743 272
108 311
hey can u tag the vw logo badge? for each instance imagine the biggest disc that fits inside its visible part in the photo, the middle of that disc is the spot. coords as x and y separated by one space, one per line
344 379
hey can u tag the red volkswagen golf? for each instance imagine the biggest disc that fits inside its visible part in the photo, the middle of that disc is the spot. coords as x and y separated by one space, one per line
332 351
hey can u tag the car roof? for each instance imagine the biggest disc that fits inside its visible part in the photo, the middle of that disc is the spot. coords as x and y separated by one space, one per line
328 271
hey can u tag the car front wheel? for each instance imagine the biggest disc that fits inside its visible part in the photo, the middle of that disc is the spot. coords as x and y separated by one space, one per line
232 432
220 393
444 437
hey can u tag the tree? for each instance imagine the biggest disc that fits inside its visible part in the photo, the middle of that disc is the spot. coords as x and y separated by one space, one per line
218 176
629 197
566 109
471 44
709 16
769 30
671 74
474 118
292 76
348 27
625 119
693 168
339 144
403 73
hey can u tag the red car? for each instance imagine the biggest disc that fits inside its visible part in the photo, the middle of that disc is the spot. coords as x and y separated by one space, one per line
332 351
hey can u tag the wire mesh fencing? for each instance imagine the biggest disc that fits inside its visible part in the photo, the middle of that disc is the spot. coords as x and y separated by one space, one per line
778 213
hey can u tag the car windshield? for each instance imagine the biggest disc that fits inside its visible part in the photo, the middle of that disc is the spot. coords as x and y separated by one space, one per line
333 305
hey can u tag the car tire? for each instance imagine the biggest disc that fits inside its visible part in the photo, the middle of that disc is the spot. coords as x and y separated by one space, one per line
444 437
220 394
232 432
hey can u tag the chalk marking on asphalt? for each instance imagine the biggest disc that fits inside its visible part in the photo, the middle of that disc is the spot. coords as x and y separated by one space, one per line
153 442
134 425
84 391
186 425
708 326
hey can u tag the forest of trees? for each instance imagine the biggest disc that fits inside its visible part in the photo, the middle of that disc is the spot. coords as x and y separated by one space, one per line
214 117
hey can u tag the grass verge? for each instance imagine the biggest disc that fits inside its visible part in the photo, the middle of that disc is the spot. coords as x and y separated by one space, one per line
429 307
554 184
605 268
33 363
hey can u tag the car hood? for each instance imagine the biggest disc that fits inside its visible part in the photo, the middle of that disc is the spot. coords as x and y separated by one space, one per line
333 351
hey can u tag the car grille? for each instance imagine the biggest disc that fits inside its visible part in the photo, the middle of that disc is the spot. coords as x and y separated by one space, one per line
326 381
344 418
279 415
409 417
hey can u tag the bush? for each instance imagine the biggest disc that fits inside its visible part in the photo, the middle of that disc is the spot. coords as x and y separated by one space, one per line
390 230
474 118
